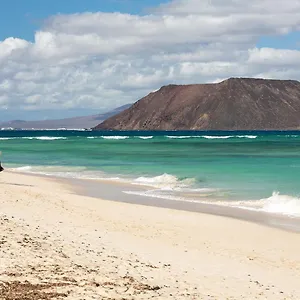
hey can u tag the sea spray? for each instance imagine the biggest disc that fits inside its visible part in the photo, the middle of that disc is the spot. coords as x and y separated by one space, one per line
165 181
282 204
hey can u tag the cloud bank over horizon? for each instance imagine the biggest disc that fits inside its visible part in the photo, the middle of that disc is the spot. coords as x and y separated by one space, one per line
102 60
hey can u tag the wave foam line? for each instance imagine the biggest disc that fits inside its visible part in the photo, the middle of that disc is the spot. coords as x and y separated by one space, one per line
154 195
229 136
180 136
164 181
45 138
282 204
276 204
211 137
145 137
66 172
115 137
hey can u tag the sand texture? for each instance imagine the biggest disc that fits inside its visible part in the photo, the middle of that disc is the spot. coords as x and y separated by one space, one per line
55 244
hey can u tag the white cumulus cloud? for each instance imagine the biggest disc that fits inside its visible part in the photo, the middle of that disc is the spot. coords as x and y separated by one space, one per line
102 60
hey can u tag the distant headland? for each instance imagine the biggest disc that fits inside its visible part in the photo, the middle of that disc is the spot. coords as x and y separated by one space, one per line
233 104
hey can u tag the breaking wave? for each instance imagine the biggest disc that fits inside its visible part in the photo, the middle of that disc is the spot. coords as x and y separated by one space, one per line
229 136
145 137
282 204
276 204
211 137
165 181
115 137
44 138
180 136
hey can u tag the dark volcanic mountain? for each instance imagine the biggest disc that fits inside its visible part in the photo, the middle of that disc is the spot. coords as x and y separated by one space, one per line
233 104
67 123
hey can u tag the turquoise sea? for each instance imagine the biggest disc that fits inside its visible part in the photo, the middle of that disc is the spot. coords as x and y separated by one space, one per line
253 170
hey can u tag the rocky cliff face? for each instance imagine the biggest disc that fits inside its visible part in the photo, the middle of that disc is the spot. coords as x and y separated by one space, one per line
233 104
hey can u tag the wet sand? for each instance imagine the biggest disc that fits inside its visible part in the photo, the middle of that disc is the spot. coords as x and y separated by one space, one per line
56 243
114 191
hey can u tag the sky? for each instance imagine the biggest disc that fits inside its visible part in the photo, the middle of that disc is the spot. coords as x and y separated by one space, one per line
73 57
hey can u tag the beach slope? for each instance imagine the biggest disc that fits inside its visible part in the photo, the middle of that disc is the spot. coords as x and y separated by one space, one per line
55 244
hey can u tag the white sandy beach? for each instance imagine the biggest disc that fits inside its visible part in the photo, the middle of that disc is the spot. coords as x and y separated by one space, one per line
56 244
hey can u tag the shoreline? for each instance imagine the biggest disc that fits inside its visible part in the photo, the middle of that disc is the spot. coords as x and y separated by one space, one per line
114 193
110 190
61 244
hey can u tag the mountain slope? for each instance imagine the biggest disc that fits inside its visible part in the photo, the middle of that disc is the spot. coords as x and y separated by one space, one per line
68 123
233 104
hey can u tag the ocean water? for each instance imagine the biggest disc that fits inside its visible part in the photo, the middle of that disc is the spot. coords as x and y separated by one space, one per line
252 170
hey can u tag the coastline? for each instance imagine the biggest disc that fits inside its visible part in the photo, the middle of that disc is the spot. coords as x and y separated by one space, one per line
85 247
113 191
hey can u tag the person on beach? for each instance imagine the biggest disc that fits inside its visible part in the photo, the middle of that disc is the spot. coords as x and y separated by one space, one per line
1 168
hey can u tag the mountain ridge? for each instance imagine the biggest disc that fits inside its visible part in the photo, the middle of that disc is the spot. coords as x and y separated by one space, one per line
233 104
79 122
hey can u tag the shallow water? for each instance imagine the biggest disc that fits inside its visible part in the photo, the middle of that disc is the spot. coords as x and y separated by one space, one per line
253 170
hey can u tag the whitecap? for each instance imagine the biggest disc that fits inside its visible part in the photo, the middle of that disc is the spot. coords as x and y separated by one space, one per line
115 137
164 181
247 136
278 204
211 137
45 138
145 137
178 136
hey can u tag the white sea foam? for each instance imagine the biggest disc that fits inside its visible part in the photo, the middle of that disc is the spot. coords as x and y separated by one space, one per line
23 169
44 138
282 204
66 172
180 136
211 137
109 137
115 137
6 138
50 170
247 136
164 181
278 204
289 135
50 138
154 194
174 196
229 136
145 137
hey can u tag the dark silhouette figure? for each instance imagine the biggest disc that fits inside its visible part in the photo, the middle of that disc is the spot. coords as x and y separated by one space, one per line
1 168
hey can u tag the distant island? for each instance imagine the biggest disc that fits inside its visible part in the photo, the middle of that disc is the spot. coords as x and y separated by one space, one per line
233 104
80 122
